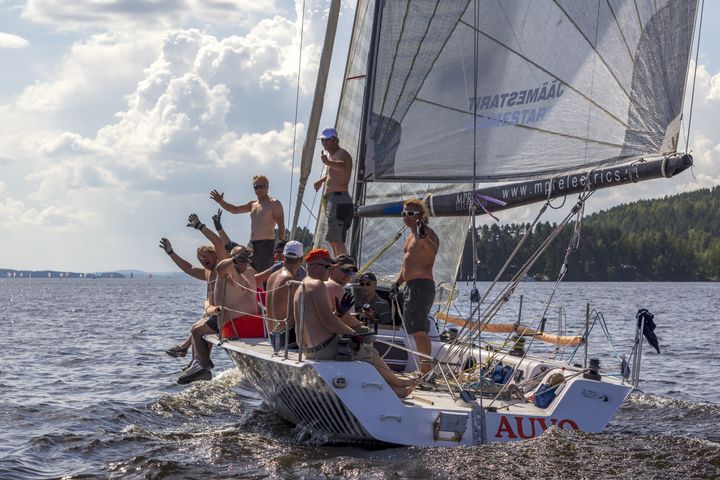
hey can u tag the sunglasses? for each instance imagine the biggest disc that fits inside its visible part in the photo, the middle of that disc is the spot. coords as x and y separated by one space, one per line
347 271
326 266
409 213
259 185
365 284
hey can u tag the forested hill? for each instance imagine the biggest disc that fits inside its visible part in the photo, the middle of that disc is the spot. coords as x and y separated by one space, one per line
674 238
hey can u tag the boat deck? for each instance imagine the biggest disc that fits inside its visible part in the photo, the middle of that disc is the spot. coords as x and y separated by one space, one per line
420 397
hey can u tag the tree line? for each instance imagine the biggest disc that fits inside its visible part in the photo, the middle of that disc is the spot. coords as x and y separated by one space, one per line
675 238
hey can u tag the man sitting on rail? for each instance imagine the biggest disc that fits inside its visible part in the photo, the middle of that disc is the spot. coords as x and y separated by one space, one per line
208 259
322 326
278 291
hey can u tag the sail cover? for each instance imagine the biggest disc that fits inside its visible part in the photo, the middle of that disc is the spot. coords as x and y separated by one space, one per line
560 85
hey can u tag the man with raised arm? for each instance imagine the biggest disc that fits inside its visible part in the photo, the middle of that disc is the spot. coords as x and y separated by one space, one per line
420 249
265 213
322 326
338 204
208 259
278 291
200 367
236 285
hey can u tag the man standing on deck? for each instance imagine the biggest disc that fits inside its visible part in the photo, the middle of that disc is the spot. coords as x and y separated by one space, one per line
338 204
265 213
420 250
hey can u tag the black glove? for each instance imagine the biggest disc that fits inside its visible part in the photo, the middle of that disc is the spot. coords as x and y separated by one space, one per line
395 290
422 228
344 304
165 245
216 220
194 222
242 257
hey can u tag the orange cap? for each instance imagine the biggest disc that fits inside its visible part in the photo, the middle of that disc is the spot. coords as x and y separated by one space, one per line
317 254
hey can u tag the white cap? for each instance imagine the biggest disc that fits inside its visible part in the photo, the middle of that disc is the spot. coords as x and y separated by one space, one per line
293 249
328 133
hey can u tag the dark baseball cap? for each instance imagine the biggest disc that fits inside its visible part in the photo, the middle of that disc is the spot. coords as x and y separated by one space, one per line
368 276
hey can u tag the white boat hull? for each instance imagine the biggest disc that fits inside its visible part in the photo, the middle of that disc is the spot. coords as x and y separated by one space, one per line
348 401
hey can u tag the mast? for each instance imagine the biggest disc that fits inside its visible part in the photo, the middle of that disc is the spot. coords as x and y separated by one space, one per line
533 191
359 192
316 111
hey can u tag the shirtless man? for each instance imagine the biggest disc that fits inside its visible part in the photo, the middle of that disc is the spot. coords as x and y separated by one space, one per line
208 259
265 213
420 250
338 204
277 291
199 368
237 287
323 326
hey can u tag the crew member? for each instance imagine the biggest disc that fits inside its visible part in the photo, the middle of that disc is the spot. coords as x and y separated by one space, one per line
420 249
374 308
338 204
265 213
322 325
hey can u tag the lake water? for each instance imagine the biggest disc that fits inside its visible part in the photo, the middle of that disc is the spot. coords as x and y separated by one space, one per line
86 391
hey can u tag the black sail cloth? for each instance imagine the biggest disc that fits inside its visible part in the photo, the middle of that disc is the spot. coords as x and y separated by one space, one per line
648 327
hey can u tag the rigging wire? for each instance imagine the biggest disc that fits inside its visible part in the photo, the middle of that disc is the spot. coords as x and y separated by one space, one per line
692 94
297 101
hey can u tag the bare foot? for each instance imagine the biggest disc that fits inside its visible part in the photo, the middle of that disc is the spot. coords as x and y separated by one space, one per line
408 382
402 392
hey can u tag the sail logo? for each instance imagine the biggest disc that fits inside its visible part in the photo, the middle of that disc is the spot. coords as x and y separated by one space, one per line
529 427
523 116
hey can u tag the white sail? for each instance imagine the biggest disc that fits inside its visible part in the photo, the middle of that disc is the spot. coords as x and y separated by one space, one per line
602 86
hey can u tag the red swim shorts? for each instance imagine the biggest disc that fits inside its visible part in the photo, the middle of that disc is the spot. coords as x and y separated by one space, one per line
244 326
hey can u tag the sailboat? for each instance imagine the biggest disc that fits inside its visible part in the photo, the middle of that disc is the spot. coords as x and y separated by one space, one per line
475 107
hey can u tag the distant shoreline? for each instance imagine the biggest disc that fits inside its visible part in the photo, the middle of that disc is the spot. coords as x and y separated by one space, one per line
39 274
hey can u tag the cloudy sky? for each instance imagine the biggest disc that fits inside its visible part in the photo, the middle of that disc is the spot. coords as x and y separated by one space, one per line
117 117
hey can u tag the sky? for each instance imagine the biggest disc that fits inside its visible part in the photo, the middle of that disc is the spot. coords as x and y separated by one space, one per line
117 118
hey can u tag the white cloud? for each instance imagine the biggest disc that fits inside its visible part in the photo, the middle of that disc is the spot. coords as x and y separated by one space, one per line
8 40
93 72
16 215
178 111
714 91
132 14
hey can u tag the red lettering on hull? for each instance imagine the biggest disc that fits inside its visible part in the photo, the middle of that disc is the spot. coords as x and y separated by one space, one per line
525 427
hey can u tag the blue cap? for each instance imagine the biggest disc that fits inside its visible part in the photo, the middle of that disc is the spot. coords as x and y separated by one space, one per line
328 133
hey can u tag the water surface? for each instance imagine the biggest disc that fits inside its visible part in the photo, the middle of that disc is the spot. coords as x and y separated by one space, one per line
87 392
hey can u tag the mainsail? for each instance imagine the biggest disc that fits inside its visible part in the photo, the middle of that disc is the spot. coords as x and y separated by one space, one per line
561 86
